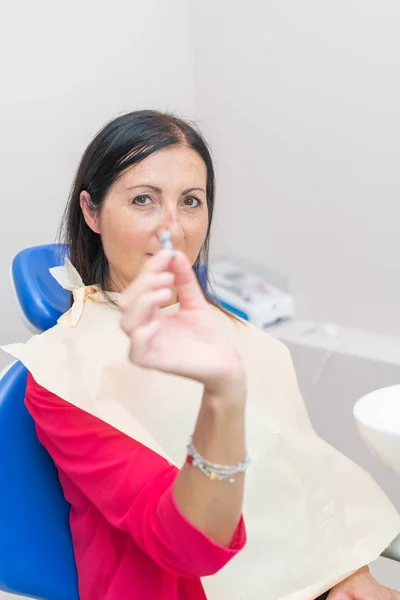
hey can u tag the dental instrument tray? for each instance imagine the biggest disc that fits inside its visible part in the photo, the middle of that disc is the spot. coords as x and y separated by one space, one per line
250 292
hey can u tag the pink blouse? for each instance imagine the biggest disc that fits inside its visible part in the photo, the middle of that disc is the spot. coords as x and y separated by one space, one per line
130 539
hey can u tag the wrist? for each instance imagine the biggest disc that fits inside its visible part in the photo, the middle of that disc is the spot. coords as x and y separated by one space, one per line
229 383
226 394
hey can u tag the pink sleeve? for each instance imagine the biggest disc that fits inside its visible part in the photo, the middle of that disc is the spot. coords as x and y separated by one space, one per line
129 484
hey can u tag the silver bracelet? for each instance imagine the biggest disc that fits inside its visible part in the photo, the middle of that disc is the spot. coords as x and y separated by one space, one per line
212 470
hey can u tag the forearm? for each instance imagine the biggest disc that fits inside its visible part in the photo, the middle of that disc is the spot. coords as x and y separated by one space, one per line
215 507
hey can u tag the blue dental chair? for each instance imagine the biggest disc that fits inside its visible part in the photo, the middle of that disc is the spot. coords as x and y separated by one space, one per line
36 555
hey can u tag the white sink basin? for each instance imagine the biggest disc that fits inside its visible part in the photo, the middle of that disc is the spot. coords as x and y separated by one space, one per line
378 419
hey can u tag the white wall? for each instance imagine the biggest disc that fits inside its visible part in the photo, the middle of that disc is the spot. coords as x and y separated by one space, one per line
67 68
301 102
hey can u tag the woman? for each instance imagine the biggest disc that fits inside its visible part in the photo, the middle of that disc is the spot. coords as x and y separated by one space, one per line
142 527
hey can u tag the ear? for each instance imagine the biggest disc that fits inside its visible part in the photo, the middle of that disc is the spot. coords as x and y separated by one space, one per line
90 214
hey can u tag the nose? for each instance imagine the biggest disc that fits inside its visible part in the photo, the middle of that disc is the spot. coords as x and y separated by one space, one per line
171 222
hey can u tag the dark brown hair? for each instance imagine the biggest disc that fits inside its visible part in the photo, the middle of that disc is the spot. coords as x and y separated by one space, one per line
122 143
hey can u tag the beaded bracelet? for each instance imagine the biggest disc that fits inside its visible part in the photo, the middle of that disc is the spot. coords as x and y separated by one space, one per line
212 470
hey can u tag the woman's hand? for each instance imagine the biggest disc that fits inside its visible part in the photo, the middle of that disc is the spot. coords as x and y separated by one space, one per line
362 586
189 342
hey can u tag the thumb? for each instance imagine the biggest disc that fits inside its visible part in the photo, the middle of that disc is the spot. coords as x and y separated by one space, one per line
190 294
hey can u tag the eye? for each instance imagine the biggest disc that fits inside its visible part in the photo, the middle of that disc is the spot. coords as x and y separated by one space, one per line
192 202
142 200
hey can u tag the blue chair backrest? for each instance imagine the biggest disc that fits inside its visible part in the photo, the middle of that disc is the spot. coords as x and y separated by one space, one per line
36 555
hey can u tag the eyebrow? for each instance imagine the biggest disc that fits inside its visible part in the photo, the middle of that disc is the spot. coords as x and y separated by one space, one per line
159 190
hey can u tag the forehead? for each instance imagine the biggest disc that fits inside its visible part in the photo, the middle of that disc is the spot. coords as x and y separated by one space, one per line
177 165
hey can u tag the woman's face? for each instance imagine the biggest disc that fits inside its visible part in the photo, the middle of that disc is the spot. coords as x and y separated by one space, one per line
167 190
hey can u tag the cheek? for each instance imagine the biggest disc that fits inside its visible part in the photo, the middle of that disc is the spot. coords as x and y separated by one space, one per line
196 232
199 226
123 237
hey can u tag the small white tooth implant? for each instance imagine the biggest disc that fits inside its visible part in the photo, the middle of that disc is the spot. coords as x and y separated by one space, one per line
165 239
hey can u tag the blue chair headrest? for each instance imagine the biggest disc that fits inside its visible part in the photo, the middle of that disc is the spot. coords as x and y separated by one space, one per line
40 297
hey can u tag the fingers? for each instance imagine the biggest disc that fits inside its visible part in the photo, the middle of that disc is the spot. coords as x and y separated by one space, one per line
144 309
141 342
190 294
151 290
141 302
154 275
164 271
148 283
